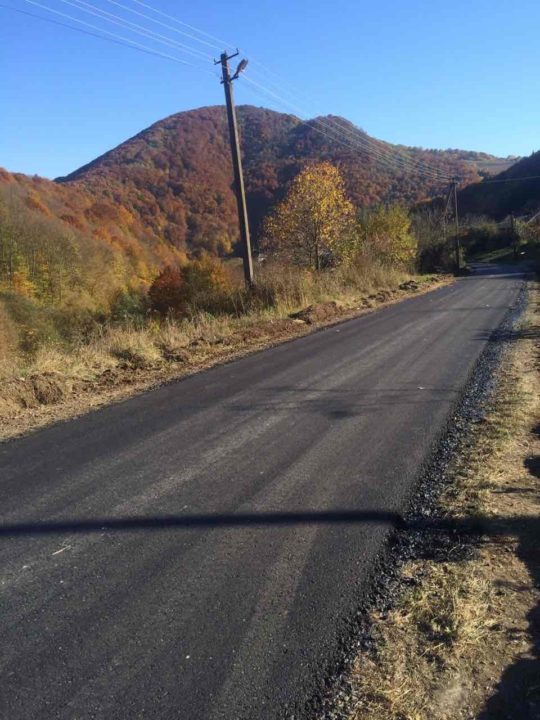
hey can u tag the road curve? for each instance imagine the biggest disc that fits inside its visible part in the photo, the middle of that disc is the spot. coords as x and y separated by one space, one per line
195 552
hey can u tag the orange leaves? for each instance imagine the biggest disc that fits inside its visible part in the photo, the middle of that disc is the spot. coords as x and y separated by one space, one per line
166 292
199 282
313 217
72 220
34 202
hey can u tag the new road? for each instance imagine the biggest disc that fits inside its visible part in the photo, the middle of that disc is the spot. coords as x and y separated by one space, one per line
197 552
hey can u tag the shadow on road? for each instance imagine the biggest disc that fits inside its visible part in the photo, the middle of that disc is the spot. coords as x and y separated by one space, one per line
475 525
518 692
527 333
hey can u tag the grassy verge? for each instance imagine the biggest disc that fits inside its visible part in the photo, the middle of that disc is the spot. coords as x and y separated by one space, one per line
58 380
462 640
528 252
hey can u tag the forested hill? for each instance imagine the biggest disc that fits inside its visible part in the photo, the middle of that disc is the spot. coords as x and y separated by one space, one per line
167 191
175 177
512 192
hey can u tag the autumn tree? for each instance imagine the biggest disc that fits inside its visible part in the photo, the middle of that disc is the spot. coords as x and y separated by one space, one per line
313 217
385 234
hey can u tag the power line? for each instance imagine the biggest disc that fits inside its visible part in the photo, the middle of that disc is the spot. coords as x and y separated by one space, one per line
133 27
364 142
344 135
356 142
504 180
420 165
117 39
222 43
165 25
367 139
353 143
383 154
501 161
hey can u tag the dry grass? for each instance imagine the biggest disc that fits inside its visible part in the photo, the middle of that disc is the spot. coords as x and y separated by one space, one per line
8 343
122 358
294 288
466 622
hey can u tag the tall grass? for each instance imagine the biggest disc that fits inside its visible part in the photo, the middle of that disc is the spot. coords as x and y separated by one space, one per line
149 341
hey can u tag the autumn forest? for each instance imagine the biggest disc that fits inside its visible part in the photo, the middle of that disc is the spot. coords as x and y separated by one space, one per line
166 195
126 260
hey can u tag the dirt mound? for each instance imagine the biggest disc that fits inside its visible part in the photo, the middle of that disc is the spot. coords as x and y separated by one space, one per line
317 312
409 285
43 389
49 388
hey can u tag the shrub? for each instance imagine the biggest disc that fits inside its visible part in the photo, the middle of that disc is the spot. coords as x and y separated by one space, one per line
205 277
130 305
35 323
435 251
385 232
167 291
199 285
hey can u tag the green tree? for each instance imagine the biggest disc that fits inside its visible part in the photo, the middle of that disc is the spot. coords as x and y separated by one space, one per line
386 233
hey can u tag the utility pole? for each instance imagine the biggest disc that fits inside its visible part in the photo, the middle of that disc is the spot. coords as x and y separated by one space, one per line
445 214
237 163
457 246
514 235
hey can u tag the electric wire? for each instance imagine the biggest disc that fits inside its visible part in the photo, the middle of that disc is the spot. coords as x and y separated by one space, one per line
339 129
356 141
351 146
397 162
366 142
162 24
376 150
133 27
118 39
184 24
370 141
504 180
336 131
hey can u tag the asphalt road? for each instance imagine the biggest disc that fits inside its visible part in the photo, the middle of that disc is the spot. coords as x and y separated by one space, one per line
196 552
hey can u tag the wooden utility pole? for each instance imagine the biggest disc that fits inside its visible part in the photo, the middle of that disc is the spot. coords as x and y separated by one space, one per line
237 164
445 214
457 245
514 235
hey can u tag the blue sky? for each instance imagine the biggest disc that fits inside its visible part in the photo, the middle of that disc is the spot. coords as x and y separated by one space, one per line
434 74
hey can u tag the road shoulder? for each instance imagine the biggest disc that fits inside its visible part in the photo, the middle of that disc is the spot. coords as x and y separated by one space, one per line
461 639
28 404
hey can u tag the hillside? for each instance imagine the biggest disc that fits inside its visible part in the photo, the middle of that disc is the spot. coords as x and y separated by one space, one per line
176 175
499 199
167 191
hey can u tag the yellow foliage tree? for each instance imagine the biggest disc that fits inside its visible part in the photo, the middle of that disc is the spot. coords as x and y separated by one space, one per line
385 233
313 217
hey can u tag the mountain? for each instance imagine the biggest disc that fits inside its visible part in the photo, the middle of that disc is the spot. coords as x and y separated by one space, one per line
167 191
176 175
512 193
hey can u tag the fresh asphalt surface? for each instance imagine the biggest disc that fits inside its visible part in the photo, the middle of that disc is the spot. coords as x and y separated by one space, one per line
196 552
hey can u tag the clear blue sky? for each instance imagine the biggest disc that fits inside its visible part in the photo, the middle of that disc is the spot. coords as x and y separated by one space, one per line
419 72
